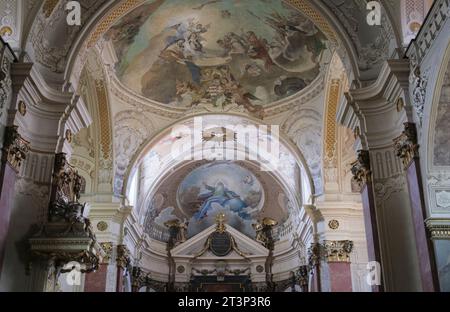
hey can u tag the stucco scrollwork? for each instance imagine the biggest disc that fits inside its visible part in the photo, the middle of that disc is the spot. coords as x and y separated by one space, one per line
419 83
131 129
386 187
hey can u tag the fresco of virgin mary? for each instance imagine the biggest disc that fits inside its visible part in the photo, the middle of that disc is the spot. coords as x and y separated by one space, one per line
221 195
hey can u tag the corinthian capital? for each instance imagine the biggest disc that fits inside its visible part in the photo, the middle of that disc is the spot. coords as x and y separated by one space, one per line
406 146
123 256
15 148
338 251
361 168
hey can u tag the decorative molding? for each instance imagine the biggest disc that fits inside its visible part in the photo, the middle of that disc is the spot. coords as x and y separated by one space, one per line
102 226
338 251
15 148
66 242
384 188
105 126
330 157
220 233
419 82
406 146
438 228
333 224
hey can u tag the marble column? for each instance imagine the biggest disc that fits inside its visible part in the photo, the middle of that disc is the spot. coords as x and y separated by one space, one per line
408 150
338 259
14 151
362 175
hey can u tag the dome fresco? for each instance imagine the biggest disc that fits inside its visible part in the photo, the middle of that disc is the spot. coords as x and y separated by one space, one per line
186 53
220 187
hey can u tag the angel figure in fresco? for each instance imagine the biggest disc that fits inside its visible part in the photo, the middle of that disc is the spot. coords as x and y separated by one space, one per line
221 195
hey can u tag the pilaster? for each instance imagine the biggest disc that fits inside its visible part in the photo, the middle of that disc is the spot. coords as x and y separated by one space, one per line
374 114
407 149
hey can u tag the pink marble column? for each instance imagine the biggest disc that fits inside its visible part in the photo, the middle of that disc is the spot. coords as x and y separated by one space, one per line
408 150
362 175
119 285
338 260
14 151
340 276
96 281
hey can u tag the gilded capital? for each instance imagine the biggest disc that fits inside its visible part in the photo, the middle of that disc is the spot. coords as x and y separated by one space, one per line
123 256
15 148
361 168
338 251
107 248
406 146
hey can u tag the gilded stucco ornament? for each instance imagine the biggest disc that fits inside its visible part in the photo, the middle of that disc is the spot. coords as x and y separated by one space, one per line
222 234
419 81
102 226
333 224
66 191
22 108
338 251
406 146
68 136
108 249
123 256
361 169
15 148
264 231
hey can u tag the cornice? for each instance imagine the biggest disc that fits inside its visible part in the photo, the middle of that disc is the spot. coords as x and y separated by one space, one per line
393 76
120 91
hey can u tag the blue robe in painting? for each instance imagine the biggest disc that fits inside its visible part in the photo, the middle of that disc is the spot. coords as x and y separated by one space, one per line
225 198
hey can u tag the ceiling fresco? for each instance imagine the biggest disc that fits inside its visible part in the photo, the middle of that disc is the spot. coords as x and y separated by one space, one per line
250 53
204 190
